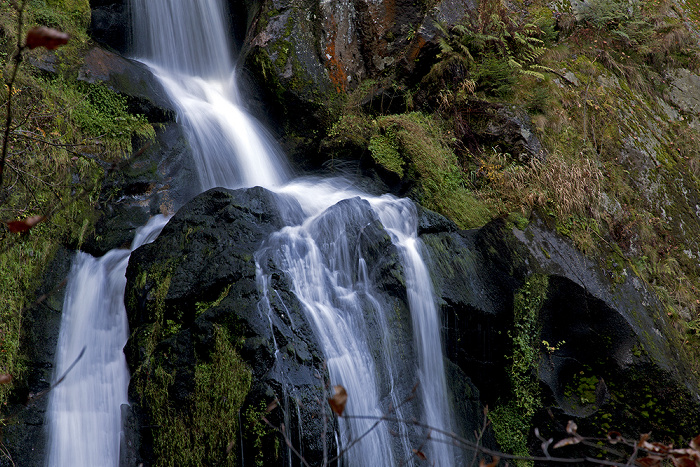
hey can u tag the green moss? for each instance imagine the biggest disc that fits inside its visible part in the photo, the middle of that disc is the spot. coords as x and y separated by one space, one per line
415 145
385 152
517 220
201 307
256 430
200 432
96 111
356 130
511 430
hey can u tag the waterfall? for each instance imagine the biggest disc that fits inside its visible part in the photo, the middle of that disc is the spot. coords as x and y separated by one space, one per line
84 410
186 44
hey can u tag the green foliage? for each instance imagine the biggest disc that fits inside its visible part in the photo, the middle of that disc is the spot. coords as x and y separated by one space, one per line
526 351
491 50
621 17
385 152
511 419
97 112
427 158
511 430
256 430
55 163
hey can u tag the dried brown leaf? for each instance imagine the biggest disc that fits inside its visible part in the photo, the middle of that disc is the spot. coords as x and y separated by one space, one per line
4 379
25 224
614 437
420 455
695 443
494 462
649 462
685 462
339 399
42 36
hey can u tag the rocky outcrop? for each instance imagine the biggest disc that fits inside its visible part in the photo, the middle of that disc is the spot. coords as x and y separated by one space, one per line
606 356
204 276
304 56
132 79
193 285
157 179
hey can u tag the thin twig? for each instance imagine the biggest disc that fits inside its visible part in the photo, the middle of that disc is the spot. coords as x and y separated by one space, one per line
480 435
17 59
34 398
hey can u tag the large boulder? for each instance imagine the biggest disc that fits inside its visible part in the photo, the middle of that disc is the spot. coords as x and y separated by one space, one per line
194 304
219 268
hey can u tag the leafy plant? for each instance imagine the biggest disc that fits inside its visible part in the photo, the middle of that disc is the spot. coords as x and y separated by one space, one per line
491 50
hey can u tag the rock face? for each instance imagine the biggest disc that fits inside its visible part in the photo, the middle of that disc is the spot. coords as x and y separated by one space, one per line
305 55
109 23
604 352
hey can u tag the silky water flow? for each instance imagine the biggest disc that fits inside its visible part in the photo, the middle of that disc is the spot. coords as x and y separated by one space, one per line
186 44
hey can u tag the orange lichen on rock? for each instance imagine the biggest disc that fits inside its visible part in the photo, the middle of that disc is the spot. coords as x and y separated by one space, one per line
336 70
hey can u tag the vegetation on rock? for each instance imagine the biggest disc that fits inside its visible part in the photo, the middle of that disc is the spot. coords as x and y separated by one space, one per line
618 168
617 171
63 135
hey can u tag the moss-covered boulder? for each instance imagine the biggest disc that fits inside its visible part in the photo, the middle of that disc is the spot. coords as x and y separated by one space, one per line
206 362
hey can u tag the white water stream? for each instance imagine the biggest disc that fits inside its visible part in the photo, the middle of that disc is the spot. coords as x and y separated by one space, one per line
84 410
185 42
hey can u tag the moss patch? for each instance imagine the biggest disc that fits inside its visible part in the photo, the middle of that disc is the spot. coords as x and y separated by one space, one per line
200 432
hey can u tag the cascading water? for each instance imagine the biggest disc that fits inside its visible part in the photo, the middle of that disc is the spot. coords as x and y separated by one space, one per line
186 44
84 415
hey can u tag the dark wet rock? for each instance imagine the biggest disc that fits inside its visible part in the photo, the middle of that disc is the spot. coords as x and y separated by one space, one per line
207 254
304 56
510 130
109 23
157 179
144 92
432 222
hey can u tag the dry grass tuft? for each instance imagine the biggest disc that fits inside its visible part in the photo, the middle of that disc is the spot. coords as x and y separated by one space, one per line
570 187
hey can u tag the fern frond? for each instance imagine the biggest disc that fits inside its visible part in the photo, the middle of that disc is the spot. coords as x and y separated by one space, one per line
535 74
